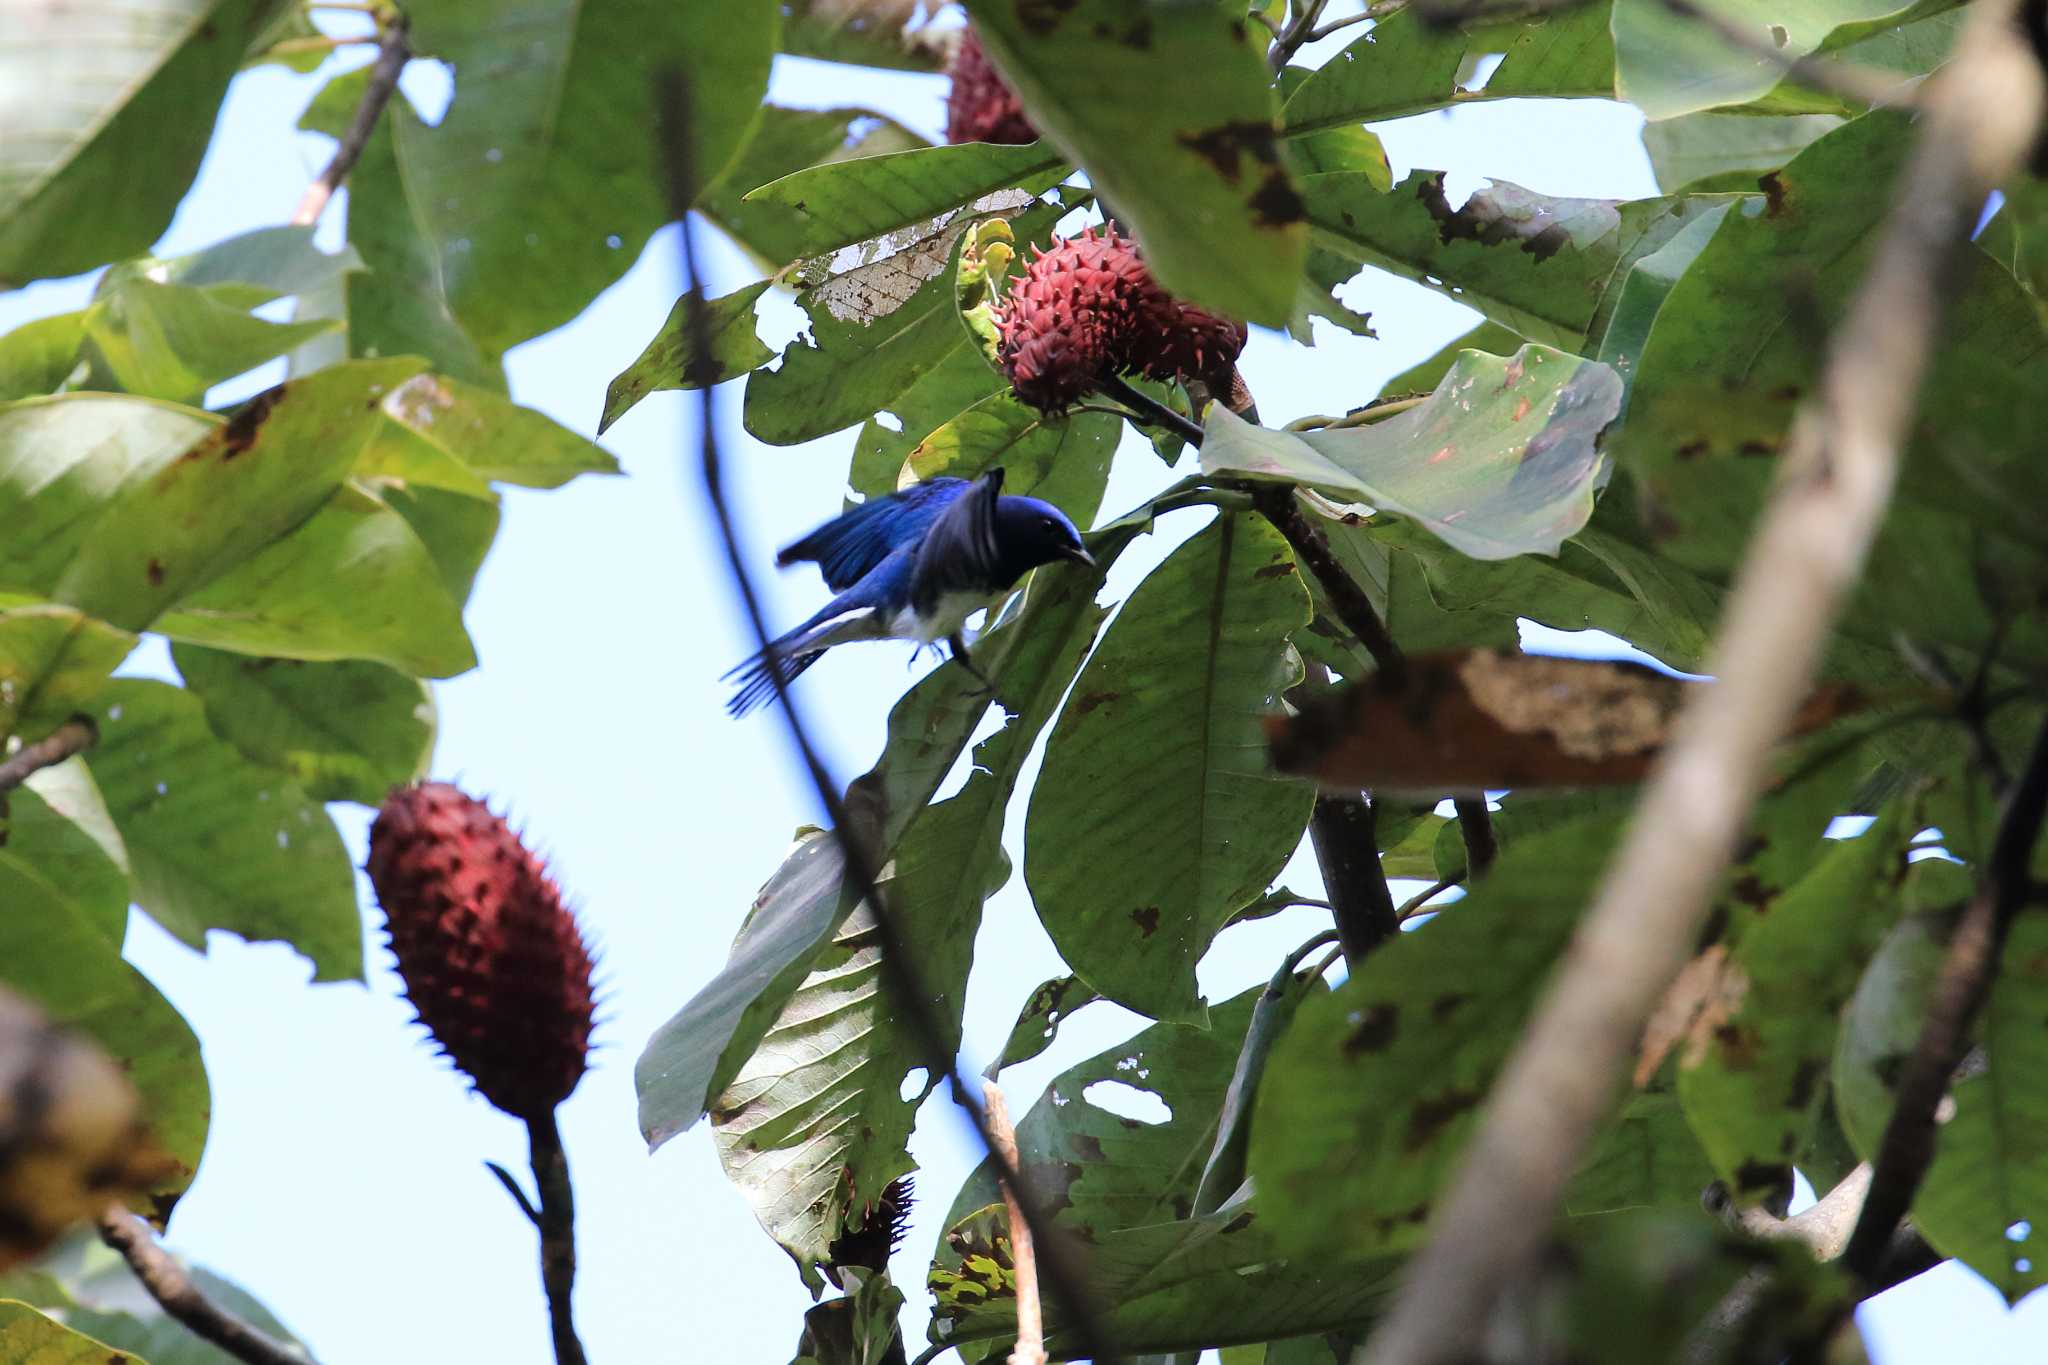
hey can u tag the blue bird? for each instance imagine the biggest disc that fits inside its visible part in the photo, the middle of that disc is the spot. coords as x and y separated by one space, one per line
913 566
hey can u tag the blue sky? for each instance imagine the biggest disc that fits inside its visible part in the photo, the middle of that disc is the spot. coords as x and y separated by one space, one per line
343 1180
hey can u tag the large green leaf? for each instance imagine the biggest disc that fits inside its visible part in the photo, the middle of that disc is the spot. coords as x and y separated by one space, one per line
34 1338
867 33
345 731
1403 66
1736 345
1668 63
1063 460
1728 151
1536 264
1753 1084
251 267
216 842
959 384
138 504
1501 460
108 108
1987 1191
55 951
354 582
52 659
40 357
543 172
667 362
1160 748
177 341
843 202
1192 164
491 436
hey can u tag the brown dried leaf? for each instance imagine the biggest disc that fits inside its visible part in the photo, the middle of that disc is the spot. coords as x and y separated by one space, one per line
1703 996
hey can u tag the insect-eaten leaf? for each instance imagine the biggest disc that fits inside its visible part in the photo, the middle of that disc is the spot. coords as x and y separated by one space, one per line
1502 459
1483 720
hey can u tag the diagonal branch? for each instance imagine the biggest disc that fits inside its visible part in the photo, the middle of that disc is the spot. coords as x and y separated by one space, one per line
556 1219
1030 1348
394 49
1842 461
74 736
1967 971
167 1282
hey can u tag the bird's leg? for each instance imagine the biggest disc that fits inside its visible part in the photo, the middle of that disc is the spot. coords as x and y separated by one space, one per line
959 644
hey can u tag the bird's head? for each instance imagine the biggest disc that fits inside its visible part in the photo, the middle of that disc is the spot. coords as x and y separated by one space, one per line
1032 531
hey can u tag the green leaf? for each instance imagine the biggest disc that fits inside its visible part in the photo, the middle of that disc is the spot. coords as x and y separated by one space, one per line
107 122
1424 376
1500 460
1531 262
1403 66
1627 313
1161 747
56 828
544 167
176 341
666 362
491 436
456 529
343 731
1735 348
1063 460
1192 165
788 140
861 1328
1727 151
957 384
873 33
843 202
1987 1190
216 842
1667 63
52 660
1038 1023
41 356
100 1300
1647 1158
259 265
1753 1082
54 950
1369 1097
33 1338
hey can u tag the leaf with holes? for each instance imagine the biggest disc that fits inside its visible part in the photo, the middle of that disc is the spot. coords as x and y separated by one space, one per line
1159 748
1502 459
1038 1022
786 141
1193 166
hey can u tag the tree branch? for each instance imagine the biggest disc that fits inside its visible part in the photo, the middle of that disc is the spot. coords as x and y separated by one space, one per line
1030 1349
74 736
1967 972
167 1282
1839 470
1343 831
860 869
1415 903
1475 826
557 1223
393 51
1278 503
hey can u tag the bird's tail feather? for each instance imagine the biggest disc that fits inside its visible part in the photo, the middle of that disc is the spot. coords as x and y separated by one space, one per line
757 683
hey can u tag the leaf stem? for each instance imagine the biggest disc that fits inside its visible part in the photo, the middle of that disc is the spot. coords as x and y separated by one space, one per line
557 1222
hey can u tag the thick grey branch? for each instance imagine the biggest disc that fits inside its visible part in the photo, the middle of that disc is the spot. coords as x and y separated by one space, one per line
74 736
160 1273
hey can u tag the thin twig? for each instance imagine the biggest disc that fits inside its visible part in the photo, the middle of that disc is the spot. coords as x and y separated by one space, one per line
557 1223
1475 825
1030 1349
1415 903
512 1188
1151 411
175 1292
1839 471
900 975
1295 35
393 50
1967 971
1829 76
74 736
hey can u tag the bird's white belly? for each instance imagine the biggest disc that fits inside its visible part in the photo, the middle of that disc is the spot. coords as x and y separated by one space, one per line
947 618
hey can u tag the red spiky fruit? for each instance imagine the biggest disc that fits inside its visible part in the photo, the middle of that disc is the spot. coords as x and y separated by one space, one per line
980 107
1088 309
491 957
883 1225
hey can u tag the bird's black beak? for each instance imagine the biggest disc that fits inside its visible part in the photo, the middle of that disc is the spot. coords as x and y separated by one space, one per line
1078 555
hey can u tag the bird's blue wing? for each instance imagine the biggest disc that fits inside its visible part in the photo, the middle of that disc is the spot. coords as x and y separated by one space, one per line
961 552
867 610
848 547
